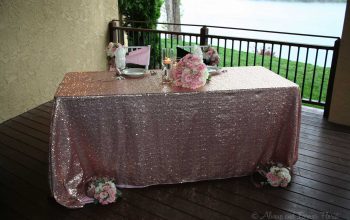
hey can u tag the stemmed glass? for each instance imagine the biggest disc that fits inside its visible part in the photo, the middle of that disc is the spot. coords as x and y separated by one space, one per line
168 57
120 61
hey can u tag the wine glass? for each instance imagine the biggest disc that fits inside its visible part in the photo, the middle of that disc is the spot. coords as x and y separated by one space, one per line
168 57
120 60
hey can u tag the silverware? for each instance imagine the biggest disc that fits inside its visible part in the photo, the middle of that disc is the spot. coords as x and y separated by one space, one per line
119 74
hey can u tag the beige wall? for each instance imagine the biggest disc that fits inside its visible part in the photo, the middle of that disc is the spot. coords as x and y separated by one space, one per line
40 40
340 106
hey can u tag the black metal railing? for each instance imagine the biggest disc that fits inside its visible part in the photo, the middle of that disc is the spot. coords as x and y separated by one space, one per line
311 66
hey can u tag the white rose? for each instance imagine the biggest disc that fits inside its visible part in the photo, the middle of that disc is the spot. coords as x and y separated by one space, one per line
110 45
284 170
274 169
284 174
287 176
111 184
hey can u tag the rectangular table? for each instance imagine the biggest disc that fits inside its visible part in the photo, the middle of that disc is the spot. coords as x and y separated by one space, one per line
142 132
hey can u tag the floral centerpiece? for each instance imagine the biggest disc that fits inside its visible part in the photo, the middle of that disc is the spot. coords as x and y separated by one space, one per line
110 52
211 56
103 190
190 72
274 174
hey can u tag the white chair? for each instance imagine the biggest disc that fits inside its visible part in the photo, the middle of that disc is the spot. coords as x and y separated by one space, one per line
139 55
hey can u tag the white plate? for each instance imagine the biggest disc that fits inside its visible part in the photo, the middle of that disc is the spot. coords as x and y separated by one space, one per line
134 72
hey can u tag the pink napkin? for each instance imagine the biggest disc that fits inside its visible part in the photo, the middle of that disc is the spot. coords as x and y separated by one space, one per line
139 56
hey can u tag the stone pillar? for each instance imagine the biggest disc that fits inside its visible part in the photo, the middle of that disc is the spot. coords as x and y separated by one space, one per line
340 105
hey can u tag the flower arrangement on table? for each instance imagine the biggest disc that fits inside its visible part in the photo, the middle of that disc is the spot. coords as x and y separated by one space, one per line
110 52
274 174
190 72
211 56
103 190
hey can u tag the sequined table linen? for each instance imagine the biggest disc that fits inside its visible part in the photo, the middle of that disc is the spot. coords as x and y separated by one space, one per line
143 132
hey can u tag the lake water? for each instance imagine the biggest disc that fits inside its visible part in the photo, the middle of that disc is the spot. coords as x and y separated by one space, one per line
298 17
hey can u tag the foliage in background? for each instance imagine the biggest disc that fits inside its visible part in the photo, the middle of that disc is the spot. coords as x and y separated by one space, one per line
142 10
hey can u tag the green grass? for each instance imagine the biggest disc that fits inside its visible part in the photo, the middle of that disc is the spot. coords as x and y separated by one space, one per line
295 73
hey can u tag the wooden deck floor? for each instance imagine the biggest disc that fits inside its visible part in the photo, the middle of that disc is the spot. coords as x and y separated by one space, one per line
320 188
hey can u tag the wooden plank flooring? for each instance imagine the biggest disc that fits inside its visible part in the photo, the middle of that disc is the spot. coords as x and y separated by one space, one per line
319 190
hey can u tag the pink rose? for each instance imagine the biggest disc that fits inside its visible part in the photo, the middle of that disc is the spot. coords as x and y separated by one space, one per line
104 202
106 187
111 198
201 67
187 78
177 83
190 65
103 195
272 179
111 191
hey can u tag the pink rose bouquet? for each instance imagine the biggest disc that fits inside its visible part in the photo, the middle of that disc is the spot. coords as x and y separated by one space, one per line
275 175
110 52
103 190
278 176
211 56
190 72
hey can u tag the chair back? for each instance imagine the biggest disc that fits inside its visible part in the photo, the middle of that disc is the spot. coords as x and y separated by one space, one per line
139 55
182 51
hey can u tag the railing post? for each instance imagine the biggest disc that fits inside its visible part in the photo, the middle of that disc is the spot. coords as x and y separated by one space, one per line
204 33
112 31
331 78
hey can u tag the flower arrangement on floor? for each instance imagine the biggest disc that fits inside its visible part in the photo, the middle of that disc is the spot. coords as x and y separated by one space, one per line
103 190
211 56
274 174
190 72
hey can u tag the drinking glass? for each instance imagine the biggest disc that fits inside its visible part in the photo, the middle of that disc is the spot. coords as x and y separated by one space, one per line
120 59
168 57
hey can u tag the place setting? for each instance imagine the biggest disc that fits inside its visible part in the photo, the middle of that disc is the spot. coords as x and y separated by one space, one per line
122 60
187 66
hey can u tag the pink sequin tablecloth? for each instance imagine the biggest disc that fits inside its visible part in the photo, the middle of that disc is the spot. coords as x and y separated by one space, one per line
142 132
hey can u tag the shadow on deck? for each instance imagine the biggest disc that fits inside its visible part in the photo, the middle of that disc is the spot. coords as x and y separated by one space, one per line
319 190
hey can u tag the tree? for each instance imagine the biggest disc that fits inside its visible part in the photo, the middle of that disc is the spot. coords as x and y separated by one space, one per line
147 11
172 8
140 10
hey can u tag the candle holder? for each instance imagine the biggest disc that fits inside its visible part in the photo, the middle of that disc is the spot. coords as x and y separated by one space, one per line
168 58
